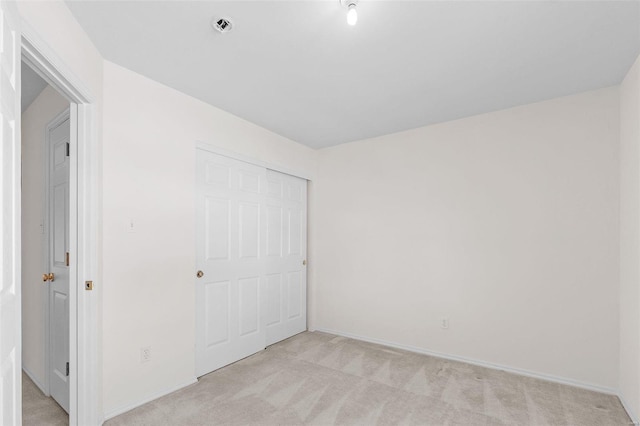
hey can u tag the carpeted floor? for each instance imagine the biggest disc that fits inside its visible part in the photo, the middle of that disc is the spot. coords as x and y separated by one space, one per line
321 379
40 410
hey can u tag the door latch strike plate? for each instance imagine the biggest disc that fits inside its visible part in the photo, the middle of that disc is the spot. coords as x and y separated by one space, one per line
88 285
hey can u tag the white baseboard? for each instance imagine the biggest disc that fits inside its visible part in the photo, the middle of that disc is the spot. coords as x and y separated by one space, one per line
121 410
627 407
37 382
522 372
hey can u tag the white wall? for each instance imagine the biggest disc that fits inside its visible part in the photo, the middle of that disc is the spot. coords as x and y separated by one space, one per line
34 122
53 22
149 158
630 240
506 223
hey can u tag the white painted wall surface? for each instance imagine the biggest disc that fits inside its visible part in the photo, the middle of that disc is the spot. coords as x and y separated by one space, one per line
506 223
34 122
630 239
55 23
150 132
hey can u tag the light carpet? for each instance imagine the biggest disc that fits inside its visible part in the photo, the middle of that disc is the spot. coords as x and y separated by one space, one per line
40 410
320 379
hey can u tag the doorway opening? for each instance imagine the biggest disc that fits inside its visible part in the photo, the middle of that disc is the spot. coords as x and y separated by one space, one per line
76 152
46 133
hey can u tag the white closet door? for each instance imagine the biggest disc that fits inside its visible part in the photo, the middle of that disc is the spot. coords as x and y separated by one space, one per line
230 254
286 251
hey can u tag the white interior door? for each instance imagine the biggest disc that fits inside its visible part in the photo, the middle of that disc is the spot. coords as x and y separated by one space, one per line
286 211
58 259
230 254
10 322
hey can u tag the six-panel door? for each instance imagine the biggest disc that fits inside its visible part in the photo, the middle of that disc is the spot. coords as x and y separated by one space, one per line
230 252
286 295
250 248
10 363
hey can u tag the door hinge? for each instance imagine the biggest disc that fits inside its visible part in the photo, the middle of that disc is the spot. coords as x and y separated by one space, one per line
66 259
67 369
68 149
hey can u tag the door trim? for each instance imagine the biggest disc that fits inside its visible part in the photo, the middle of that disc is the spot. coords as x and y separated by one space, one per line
251 160
85 335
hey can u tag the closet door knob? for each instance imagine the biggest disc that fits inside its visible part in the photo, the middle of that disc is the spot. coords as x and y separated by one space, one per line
199 274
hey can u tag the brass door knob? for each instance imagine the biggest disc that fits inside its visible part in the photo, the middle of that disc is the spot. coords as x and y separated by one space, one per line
199 274
48 277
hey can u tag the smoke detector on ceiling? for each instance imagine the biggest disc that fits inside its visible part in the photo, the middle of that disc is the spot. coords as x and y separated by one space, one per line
224 25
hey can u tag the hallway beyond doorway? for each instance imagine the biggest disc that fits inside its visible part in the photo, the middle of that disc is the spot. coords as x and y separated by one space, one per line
40 410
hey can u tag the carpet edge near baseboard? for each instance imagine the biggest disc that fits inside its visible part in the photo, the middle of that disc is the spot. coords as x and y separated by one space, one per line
522 372
627 408
36 382
151 397
493 366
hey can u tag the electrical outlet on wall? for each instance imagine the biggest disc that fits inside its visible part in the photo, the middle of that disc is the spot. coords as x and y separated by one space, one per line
444 323
145 354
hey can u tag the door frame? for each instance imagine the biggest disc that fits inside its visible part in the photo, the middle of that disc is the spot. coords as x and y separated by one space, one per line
85 334
247 159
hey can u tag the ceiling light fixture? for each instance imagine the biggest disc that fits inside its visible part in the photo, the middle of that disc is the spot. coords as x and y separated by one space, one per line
352 12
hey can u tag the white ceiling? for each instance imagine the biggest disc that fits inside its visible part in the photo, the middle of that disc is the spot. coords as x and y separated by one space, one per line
297 68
